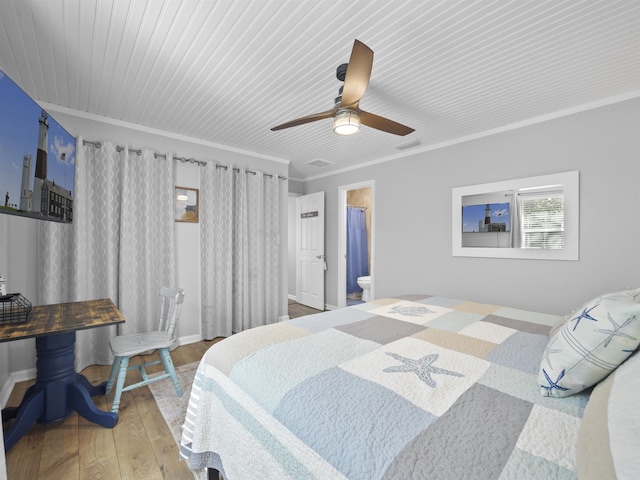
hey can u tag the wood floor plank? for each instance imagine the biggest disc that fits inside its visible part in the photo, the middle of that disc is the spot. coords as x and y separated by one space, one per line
190 354
96 444
108 469
203 346
168 456
17 394
183 356
135 454
93 373
23 460
60 458
150 415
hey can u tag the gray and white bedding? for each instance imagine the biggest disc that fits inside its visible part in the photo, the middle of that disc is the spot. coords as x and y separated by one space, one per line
412 387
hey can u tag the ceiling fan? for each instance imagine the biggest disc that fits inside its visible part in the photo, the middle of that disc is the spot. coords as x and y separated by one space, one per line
347 114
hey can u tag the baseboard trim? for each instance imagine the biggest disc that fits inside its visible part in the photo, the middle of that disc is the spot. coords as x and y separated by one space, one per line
15 377
189 339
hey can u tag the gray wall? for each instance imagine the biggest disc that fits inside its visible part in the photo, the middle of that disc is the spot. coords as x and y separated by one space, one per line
296 186
413 213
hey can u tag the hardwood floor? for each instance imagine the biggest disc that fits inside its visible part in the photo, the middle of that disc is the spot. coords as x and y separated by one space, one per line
297 310
139 447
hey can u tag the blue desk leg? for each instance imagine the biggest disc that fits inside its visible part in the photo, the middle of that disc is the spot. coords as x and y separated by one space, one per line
25 417
92 389
58 390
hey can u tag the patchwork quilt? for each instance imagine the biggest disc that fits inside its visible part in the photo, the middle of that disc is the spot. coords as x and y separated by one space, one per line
412 387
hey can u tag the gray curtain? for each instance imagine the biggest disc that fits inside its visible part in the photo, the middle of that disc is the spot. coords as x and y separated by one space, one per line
120 244
239 250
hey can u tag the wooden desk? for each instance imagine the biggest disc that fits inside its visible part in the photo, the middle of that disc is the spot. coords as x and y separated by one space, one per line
58 390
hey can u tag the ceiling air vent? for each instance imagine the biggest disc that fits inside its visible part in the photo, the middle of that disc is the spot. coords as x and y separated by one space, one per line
411 144
319 163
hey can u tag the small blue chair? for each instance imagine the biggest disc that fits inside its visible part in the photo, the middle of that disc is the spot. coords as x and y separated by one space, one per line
126 346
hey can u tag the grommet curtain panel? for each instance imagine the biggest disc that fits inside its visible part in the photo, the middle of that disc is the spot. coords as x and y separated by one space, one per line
120 245
239 250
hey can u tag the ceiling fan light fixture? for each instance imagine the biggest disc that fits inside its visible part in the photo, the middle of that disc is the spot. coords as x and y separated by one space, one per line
346 122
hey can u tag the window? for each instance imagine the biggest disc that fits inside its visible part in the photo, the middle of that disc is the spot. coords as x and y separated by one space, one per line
542 221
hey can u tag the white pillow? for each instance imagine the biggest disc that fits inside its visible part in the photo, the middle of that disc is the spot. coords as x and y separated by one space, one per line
594 340
609 436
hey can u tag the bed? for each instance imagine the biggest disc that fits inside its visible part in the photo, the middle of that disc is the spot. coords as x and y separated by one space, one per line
410 387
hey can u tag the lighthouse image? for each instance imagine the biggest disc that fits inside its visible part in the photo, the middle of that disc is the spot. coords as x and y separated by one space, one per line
41 165
37 159
47 198
25 191
487 214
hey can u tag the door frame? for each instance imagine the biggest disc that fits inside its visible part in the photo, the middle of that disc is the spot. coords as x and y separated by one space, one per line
292 267
342 238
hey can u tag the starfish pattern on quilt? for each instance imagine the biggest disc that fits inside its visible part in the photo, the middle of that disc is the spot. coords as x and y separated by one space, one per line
553 384
585 314
422 367
410 310
548 351
615 332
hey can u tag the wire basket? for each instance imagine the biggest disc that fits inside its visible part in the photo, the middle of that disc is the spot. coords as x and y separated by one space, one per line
14 308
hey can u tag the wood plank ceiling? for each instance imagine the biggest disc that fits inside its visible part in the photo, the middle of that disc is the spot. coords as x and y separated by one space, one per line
227 71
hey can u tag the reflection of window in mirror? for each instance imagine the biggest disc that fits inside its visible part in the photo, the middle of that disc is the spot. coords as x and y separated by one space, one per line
541 217
535 217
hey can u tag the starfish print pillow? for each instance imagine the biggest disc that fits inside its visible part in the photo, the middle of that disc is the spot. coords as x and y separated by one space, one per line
594 340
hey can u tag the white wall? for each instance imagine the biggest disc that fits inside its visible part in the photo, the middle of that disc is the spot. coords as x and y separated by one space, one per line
413 213
296 186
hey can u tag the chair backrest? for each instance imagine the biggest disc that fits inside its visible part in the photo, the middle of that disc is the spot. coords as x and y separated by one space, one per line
170 308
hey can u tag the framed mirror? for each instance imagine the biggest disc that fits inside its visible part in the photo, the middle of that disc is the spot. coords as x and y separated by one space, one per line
535 218
186 205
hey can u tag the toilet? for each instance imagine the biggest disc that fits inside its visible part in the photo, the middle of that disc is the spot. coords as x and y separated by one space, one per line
365 285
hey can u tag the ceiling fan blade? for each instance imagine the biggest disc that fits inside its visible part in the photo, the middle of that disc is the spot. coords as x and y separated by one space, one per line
308 119
384 124
358 73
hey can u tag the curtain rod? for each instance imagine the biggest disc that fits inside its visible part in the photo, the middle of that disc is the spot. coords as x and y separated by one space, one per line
357 206
235 169
181 159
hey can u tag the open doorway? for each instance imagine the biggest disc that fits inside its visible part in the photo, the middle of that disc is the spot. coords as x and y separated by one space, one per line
356 243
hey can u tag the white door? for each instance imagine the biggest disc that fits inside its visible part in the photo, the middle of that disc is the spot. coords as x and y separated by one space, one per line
310 261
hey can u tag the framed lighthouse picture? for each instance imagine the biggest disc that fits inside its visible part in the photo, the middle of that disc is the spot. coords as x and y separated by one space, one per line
37 159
